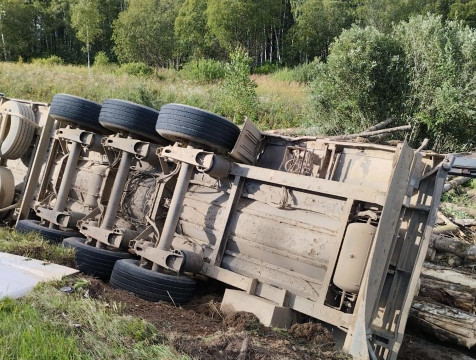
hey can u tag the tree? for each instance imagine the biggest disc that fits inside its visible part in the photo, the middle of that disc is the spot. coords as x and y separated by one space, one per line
16 29
191 33
319 22
442 59
85 19
245 23
144 32
363 83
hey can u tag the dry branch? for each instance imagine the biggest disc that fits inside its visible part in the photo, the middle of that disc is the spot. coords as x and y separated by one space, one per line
380 125
371 133
454 246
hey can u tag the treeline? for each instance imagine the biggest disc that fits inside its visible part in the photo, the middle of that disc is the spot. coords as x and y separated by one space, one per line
171 32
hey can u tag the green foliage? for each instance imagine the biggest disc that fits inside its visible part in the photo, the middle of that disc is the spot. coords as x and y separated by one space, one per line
135 68
464 10
85 19
442 59
304 73
266 68
193 39
362 83
319 22
101 59
52 60
242 22
204 70
152 38
238 96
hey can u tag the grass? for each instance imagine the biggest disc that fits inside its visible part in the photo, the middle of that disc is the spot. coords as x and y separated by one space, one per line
280 104
48 324
33 246
460 198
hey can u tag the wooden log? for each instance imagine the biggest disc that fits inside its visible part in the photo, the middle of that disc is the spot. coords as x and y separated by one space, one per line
449 275
380 125
454 295
454 246
457 181
447 228
469 211
445 323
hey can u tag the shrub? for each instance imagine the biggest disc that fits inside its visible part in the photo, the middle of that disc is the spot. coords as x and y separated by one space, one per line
52 60
442 59
239 97
135 68
363 82
266 68
101 59
204 70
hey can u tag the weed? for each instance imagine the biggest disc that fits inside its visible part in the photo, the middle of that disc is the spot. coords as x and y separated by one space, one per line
203 70
52 60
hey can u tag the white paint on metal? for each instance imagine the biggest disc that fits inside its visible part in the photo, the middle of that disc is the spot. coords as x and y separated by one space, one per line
19 275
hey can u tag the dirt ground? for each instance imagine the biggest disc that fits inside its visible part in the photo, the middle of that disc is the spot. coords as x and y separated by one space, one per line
201 331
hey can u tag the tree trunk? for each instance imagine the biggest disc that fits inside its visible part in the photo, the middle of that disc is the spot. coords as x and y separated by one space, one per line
454 295
446 323
87 48
454 246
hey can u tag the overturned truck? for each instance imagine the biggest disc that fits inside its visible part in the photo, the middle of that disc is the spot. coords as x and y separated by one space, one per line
337 231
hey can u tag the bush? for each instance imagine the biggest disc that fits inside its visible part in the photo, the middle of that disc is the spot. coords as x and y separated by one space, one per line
101 59
52 60
363 82
204 70
135 68
239 97
442 59
266 68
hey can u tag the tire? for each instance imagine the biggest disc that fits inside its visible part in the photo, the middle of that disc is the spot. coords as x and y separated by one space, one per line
78 111
20 131
150 285
7 190
120 115
51 235
181 122
94 261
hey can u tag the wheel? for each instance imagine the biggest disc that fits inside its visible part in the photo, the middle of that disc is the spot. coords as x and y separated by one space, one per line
181 122
7 189
120 115
20 131
52 235
151 285
94 261
78 111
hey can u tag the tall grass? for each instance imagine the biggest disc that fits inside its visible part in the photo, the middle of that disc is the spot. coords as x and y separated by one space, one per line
48 324
41 82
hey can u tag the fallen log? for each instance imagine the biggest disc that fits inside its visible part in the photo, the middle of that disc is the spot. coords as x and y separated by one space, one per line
454 246
445 323
457 181
454 295
448 275
380 125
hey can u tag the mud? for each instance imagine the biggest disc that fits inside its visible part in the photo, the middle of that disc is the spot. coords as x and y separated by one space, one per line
201 331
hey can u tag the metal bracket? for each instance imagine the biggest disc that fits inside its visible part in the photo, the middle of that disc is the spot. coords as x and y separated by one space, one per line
174 260
207 162
60 218
112 238
171 260
203 160
82 137
138 148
